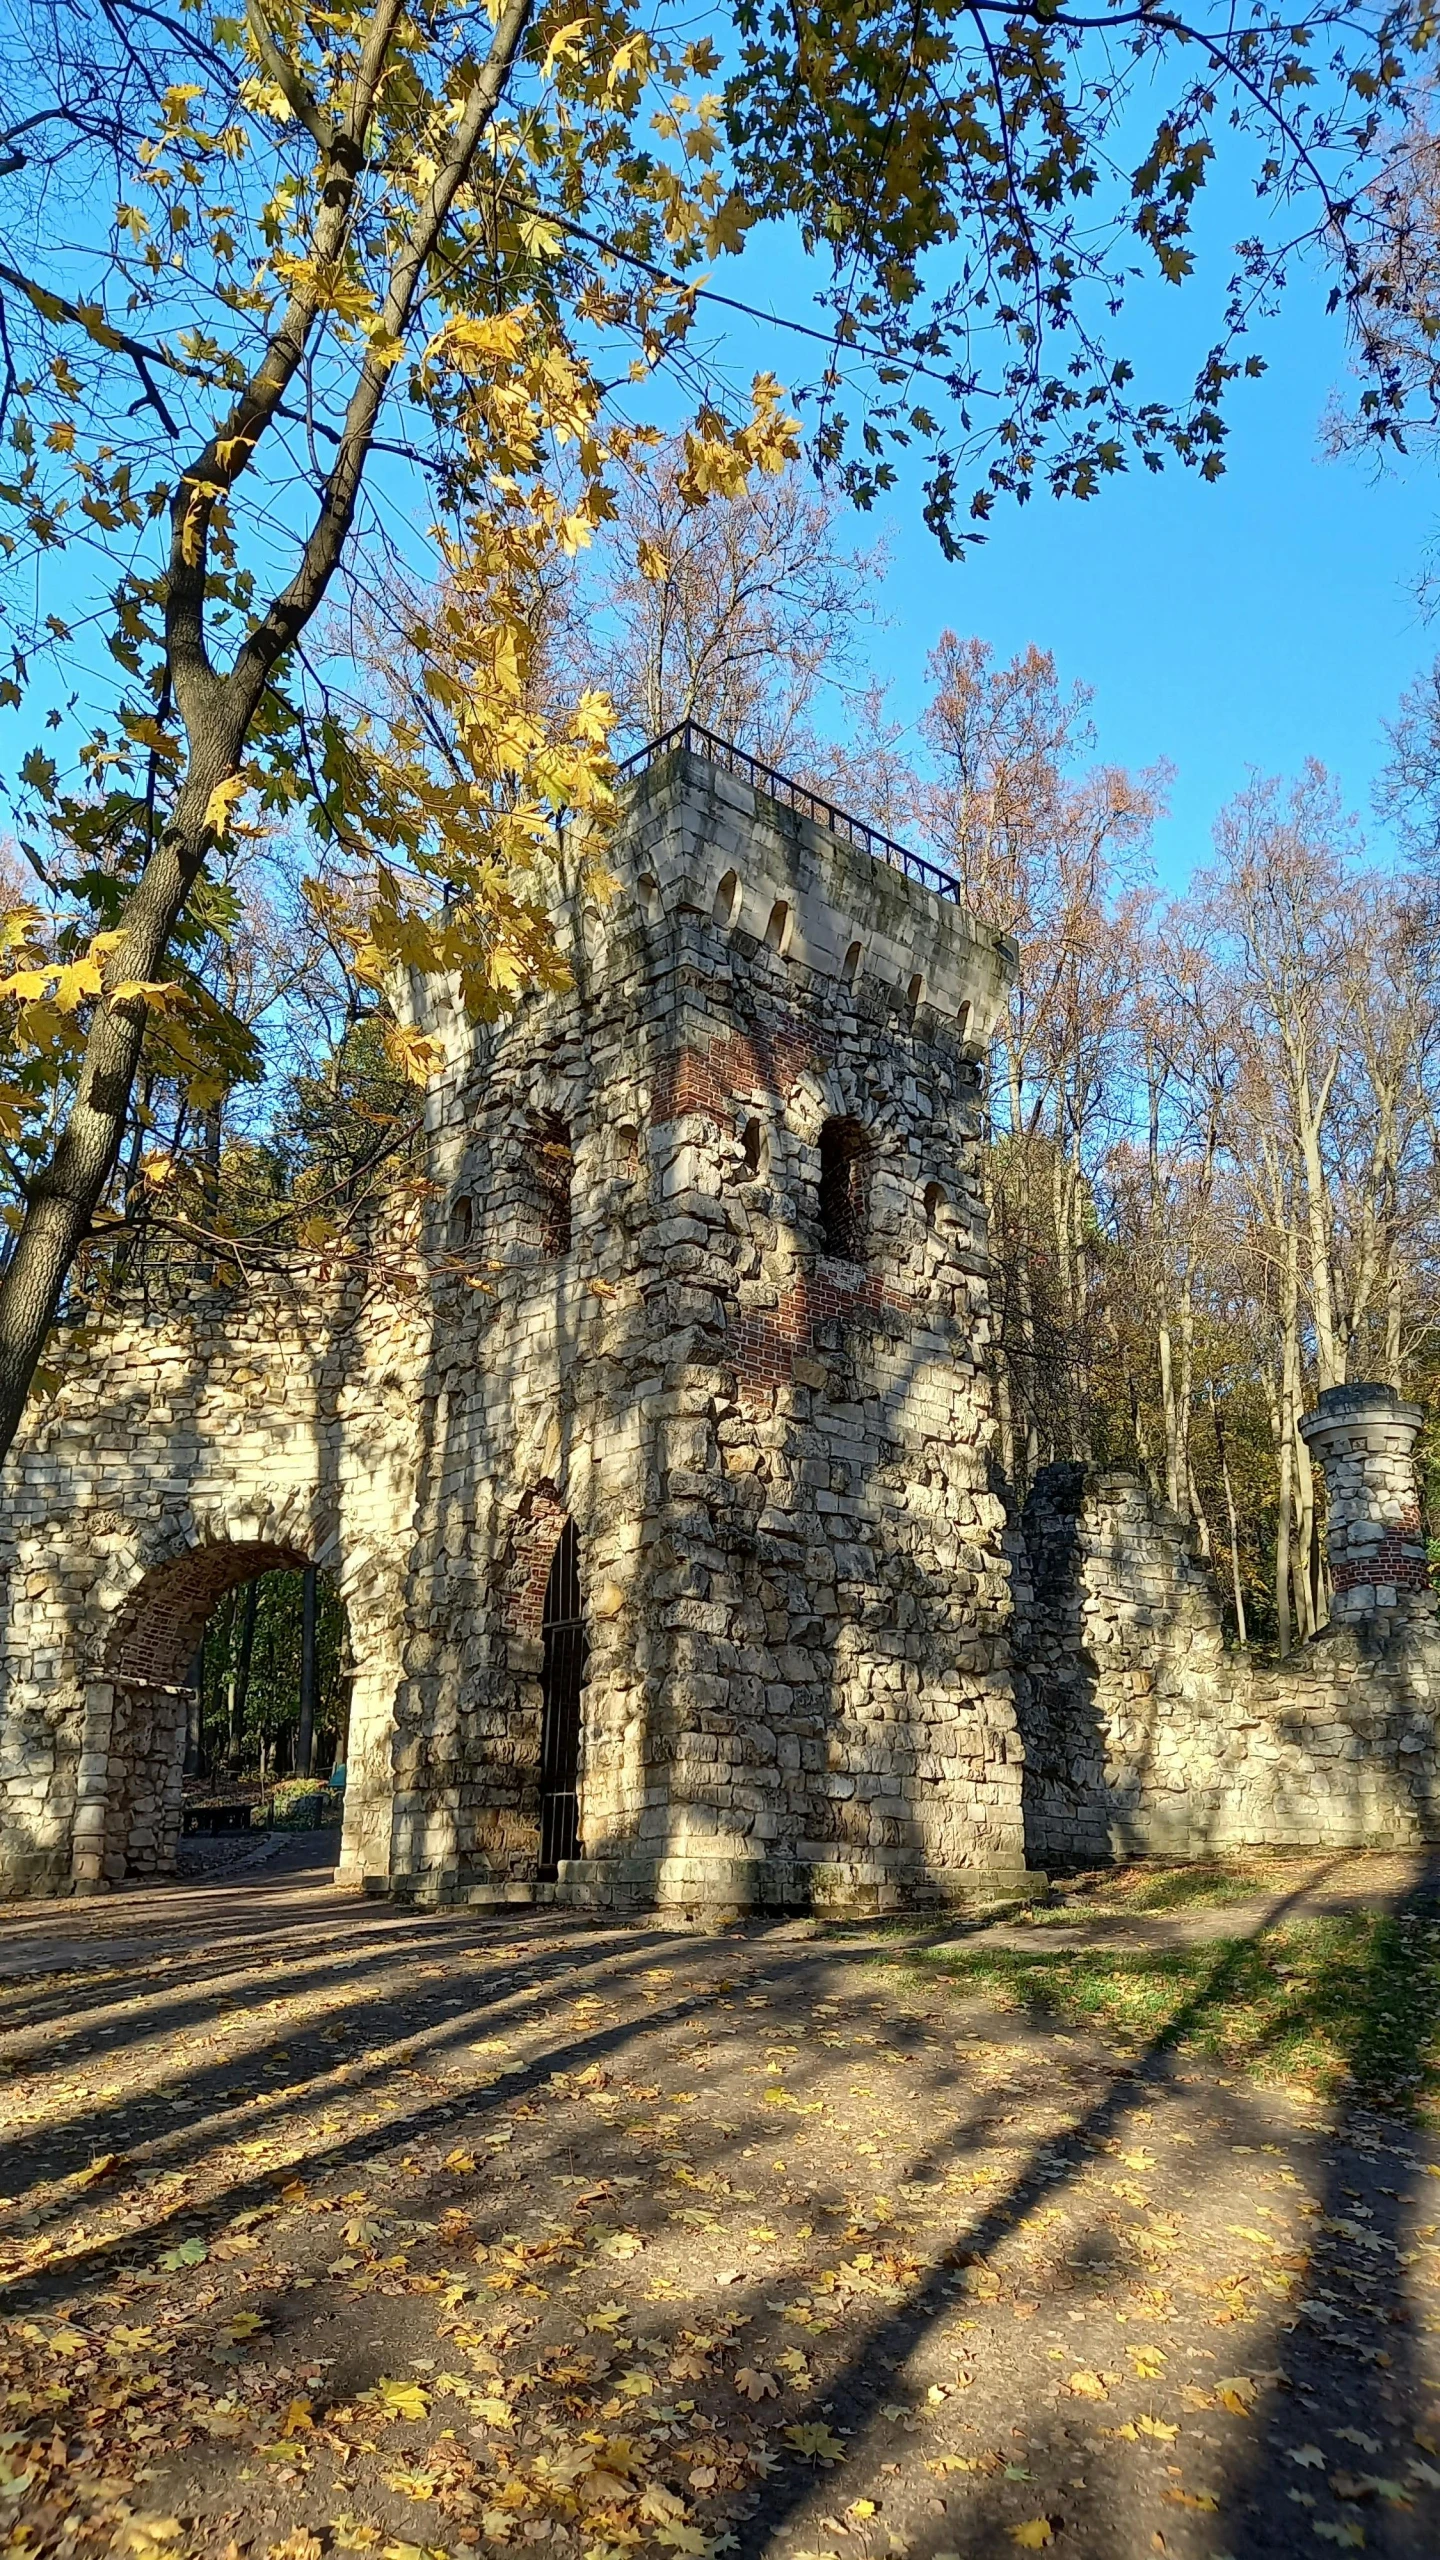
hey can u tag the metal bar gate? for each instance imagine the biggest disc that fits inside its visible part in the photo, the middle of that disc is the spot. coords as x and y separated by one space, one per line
562 1675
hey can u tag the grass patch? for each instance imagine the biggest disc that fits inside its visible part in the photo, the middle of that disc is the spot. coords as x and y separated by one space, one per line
1344 2003
1206 1885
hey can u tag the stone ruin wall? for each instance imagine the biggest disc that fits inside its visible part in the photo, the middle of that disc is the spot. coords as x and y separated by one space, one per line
803 1686
207 1443
798 1685
1147 1734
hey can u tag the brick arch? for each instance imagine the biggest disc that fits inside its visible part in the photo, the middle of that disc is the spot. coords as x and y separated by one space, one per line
155 1631
127 1820
534 1537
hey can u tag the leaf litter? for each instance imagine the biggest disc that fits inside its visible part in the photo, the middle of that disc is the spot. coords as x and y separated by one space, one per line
615 2301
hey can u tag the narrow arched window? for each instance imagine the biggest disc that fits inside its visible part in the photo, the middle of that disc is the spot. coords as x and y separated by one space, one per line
461 1225
554 1172
727 901
777 931
647 890
934 1203
752 1146
851 970
844 1149
962 1021
916 992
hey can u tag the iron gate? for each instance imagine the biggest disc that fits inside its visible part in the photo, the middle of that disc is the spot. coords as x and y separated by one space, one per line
562 1675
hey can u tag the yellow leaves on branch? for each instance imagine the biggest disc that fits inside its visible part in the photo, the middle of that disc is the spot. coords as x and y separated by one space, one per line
45 1004
417 1057
522 384
719 459
221 803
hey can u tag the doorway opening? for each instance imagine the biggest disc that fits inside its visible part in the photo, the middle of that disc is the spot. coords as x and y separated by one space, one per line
562 1677
273 1684
230 1670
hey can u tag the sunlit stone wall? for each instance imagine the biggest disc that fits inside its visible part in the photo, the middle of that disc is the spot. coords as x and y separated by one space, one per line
619 1308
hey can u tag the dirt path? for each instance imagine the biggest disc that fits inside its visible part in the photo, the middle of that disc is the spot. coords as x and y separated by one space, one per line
334 2226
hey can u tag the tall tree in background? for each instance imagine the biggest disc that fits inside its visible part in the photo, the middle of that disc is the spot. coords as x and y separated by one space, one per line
739 617
1045 852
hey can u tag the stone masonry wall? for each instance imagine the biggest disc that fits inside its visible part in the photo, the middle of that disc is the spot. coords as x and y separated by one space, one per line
797 1686
1145 1734
797 1683
701 1268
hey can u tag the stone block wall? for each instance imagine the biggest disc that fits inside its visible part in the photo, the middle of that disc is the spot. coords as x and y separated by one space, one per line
1145 1734
797 1685
621 1311
195 1446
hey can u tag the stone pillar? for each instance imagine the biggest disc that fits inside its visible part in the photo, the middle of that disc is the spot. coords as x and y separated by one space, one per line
1364 1438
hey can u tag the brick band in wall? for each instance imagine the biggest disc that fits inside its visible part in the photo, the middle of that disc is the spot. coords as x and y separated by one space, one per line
532 1550
706 1081
766 1340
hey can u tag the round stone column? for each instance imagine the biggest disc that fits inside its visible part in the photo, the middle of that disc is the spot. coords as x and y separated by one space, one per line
1364 1437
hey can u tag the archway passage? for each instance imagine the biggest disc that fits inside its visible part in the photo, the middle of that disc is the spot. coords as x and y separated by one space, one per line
226 1668
562 1677
275 1673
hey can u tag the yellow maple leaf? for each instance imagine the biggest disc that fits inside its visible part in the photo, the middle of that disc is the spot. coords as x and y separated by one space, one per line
221 802
1034 2534
403 2399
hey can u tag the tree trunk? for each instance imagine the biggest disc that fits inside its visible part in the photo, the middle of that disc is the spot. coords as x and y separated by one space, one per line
1230 1512
1282 1529
1167 1405
305 1740
240 1681
65 1194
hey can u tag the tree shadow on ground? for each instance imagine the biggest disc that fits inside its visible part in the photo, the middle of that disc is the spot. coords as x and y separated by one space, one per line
576 2106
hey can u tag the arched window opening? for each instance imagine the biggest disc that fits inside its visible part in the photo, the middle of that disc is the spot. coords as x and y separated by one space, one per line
844 1148
915 992
627 1151
461 1224
752 1146
851 970
562 1678
962 1020
777 931
647 889
934 1203
553 1167
727 901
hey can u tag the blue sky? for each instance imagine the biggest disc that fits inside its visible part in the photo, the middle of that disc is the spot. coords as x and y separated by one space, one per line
1248 622
1253 621
1245 623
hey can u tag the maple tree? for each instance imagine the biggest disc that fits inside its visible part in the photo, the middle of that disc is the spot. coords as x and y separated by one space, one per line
282 290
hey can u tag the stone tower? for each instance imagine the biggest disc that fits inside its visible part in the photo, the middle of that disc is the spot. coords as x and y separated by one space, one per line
1364 1437
661 1500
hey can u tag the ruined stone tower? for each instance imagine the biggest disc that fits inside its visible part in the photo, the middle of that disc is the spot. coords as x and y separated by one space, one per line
661 1506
